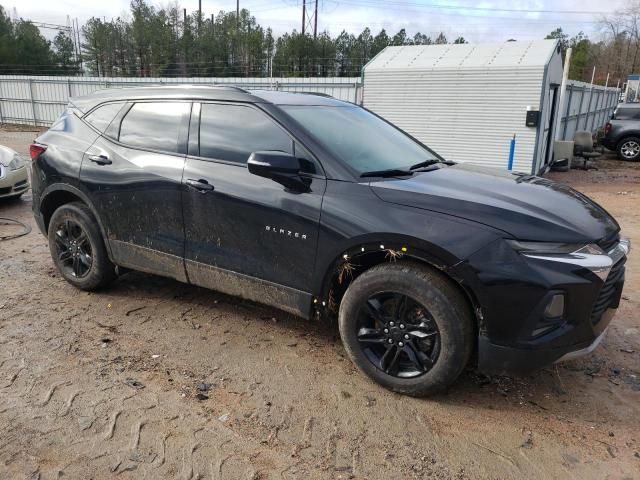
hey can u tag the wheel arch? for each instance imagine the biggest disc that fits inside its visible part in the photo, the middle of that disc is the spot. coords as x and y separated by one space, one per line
627 136
366 252
60 194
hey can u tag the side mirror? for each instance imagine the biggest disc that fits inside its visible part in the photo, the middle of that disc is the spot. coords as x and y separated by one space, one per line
280 167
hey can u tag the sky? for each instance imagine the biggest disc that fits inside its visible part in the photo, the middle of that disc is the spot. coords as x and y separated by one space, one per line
476 21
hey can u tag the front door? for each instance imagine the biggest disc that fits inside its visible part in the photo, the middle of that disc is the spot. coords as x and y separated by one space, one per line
133 175
247 235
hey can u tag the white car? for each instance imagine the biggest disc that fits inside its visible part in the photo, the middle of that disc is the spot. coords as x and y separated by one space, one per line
14 179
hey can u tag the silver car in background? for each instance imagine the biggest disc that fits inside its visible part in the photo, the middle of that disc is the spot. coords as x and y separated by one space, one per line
14 179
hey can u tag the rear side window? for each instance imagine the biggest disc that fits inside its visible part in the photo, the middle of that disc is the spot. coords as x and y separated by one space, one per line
233 132
156 126
102 116
623 113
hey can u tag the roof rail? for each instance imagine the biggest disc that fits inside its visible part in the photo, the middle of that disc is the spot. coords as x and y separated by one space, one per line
317 94
230 87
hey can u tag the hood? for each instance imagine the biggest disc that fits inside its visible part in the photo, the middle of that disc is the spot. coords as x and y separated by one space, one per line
6 155
525 206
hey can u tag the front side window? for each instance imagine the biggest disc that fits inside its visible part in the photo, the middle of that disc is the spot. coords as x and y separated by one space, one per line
359 138
156 126
233 132
102 116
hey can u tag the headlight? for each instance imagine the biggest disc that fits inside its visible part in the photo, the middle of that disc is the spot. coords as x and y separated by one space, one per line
590 256
16 163
555 248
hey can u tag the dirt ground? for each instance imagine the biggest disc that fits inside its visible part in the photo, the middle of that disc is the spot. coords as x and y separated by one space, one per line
156 379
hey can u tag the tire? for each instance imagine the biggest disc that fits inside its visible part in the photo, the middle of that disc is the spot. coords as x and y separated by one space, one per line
436 320
77 248
629 149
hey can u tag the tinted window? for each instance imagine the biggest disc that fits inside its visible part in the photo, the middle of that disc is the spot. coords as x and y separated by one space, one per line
627 113
307 163
359 138
233 132
154 125
102 116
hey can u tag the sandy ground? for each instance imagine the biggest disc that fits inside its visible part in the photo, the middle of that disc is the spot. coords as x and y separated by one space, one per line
156 379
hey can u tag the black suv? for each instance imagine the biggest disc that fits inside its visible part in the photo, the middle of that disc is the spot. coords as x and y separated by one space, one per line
321 208
622 132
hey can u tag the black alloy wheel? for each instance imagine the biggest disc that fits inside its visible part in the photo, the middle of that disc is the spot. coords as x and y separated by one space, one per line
398 335
407 326
73 249
77 247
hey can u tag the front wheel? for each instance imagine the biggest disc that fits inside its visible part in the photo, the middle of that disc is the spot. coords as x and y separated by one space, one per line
407 327
77 247
629 149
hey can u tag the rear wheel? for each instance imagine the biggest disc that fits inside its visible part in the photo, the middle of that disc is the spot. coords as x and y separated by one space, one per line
629 149
77 247
407 327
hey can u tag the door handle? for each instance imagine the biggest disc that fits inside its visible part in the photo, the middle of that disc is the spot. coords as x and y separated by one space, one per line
100 159
200 185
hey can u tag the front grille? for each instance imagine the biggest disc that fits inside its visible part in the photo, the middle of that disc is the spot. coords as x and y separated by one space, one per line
5 190
608 242
20 183
608 292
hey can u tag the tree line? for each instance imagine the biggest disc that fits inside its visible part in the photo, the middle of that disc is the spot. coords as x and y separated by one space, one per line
24 50
168 41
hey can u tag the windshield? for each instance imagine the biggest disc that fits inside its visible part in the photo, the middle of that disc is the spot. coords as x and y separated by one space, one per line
359 138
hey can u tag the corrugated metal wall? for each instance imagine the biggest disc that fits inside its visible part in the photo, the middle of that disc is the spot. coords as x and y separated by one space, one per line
39 100
471 115
464 115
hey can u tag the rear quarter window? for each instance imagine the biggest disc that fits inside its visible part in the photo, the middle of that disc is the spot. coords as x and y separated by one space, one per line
102 116
155 126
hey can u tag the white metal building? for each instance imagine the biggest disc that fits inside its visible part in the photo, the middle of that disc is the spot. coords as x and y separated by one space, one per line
466 101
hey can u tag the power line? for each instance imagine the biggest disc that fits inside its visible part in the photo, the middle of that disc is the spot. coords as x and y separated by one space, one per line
50 26
442 6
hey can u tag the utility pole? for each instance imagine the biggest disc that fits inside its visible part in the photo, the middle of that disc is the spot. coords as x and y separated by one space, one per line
304 15
199 16
79 44
310 18
237 15
315 22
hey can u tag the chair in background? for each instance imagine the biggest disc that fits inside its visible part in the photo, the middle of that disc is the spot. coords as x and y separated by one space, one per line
583 148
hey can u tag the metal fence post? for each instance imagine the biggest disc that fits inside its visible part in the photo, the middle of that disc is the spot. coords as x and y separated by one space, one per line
579 117
593 76
69 88
566 113
1 97
595 110
33 103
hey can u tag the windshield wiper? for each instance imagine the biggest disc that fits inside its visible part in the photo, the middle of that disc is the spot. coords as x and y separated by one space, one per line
428 163
391 172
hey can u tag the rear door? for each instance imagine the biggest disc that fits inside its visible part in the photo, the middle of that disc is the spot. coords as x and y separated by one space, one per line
133 173
244 224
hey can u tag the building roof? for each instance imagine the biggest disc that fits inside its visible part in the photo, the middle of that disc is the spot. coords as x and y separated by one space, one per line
535 53
200 92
